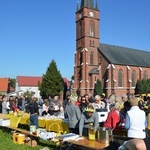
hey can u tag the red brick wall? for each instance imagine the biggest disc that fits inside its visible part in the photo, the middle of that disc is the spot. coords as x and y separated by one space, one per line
105 73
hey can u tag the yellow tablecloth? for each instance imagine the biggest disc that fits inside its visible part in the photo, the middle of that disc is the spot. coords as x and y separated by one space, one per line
56 125
14 120
42 122
24 120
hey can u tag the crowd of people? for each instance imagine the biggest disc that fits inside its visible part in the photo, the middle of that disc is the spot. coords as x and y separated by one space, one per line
81 111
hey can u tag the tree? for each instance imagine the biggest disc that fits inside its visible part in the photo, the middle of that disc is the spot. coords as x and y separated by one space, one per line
52 81
142 86
12 82
98 89
138 87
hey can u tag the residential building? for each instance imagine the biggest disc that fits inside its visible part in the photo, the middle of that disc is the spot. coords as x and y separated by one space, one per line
4 85
28 83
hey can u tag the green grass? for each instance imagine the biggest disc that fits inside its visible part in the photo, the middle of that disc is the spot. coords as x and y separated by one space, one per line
6 143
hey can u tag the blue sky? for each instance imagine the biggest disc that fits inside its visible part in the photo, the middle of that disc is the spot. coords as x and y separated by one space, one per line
33 32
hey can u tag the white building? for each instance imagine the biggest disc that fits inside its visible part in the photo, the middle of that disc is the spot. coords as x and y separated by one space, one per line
28 83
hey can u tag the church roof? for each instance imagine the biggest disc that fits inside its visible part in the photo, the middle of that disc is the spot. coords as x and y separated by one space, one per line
125 56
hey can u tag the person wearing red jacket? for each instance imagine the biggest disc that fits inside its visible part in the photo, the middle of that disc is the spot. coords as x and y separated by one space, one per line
114 117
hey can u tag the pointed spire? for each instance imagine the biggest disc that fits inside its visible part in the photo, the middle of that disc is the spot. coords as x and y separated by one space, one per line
96 6
87 3
78 6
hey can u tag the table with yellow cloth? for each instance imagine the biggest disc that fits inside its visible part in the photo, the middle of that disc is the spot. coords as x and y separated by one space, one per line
14 120
53 124
50 124
25 119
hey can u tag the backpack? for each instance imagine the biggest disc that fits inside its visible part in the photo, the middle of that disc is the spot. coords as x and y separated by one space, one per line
40 102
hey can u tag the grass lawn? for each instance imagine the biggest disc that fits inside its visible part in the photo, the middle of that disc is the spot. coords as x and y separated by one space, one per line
6 143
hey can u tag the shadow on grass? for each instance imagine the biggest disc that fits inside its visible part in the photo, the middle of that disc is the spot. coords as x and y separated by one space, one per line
43 143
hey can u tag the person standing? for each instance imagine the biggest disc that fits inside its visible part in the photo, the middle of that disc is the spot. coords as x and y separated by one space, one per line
55 105
11 98
136 121
87 117
5 107
45 106
73 114
98 102
40 105
78 102
27 101
83 104
1 103
33 110
114 117
127 104
21 103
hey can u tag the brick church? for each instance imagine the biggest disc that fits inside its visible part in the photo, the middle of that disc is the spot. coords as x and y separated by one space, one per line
117 67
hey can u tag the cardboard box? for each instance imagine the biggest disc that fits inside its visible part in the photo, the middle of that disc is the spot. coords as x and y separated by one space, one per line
29 142
4 122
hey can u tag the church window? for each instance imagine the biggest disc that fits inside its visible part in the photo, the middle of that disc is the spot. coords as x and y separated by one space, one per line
80 74
99 59
145 75
90 43
81 58
120 77
91 58
80 29
92 28
95 79
133 78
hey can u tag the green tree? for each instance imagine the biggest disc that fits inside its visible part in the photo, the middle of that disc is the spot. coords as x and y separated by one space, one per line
138 87
29 93
98 89
12 82
142 86
148 85
52 82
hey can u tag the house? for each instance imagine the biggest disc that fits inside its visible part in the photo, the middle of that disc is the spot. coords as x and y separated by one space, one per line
28 83
4 85
117 67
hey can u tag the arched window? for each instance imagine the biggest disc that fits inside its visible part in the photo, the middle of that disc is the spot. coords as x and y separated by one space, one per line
91 58
99 60
90 43
145 75
133 78
92 29
93 43
81 58
120 77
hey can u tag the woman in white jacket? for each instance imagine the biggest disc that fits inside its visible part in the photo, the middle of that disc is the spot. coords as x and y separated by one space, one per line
136 121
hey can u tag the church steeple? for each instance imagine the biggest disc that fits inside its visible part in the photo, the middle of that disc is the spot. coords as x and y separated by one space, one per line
87 42
78 6
87 4
96 6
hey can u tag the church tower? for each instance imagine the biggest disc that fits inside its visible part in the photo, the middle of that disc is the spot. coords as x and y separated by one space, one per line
86 68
